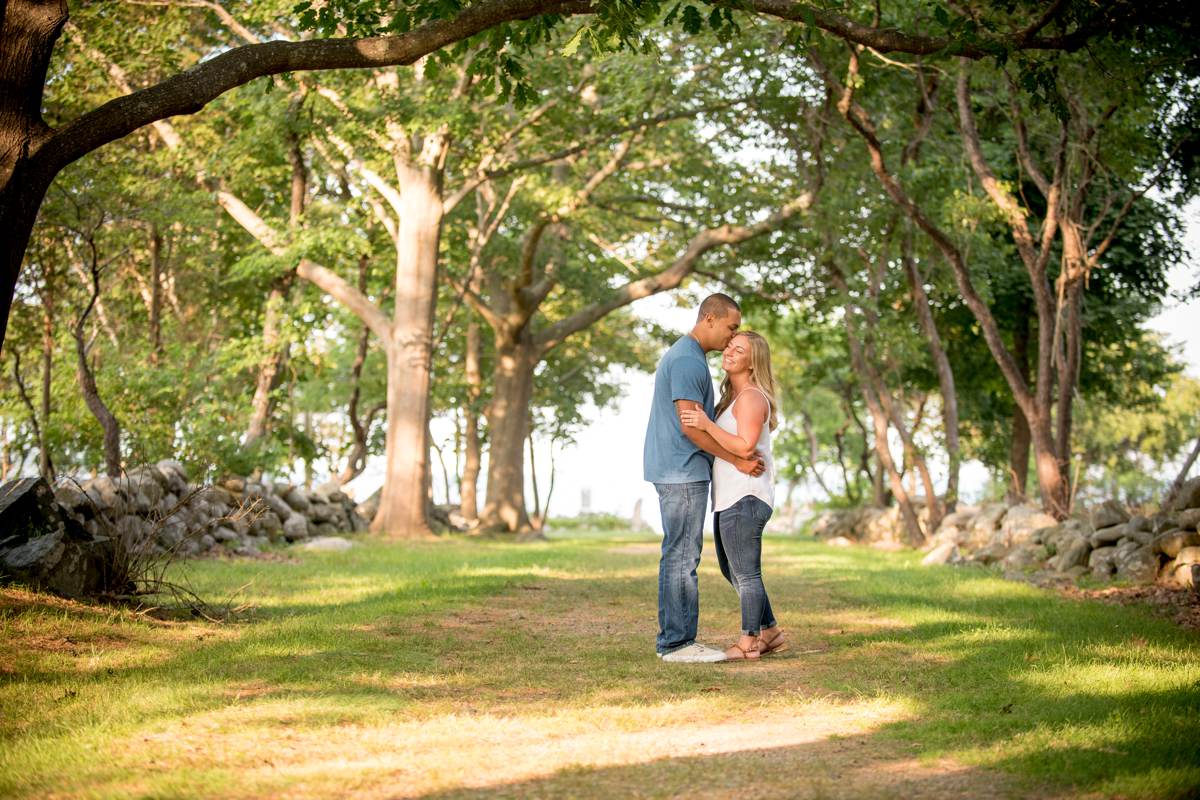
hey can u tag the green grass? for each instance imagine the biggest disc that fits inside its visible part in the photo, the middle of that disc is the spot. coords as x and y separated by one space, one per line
485 668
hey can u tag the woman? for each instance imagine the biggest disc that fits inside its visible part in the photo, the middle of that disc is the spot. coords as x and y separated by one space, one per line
746 415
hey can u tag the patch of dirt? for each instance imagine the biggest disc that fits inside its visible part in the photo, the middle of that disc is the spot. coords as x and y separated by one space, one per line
1179 604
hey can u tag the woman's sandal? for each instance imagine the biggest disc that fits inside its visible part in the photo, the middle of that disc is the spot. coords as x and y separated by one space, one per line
777 643
735 653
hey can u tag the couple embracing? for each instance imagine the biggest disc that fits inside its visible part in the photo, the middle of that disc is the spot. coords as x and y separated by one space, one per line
694 441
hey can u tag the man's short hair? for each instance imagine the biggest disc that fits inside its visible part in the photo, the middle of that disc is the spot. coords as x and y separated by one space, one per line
719 305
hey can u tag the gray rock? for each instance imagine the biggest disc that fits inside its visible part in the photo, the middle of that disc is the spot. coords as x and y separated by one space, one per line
295 527
1073 554
1108 514
356 524
1108 536
1076 572
1021 558
322 529
1020 523
1139 522
1136 564
1171 542
1188 495
1101 561
219 497
276 504
44 547
206 541
328 544
1188 519
322 512
225 535
297 500
989 554
944 553
1142 537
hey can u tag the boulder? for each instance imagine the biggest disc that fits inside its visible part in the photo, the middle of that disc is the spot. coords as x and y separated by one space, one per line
1107 514
1021 522
1100 561
1023 557
1142 537
1188 555
944 553
42 546
1110 536
1137 564
226 535
322 529
1139 522
1171 542
322 512
298 500
1188 519
989 553
276 504
1072 553
356 523
984 523
328 544
270 525
295 527
1188 495
220 497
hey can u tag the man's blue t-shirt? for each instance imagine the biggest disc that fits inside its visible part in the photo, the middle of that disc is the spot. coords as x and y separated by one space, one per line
669 456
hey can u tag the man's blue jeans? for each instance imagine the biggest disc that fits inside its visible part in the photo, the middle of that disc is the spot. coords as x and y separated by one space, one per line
683 506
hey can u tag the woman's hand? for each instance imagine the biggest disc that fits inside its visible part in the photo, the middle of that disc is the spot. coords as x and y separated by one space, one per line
694 418
753 466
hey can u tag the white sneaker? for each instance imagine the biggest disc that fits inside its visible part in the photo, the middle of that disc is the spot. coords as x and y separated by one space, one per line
695 653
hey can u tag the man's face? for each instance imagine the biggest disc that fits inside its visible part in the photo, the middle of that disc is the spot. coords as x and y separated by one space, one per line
724 328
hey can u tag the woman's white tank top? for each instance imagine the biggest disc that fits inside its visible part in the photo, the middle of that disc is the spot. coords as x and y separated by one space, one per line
729 485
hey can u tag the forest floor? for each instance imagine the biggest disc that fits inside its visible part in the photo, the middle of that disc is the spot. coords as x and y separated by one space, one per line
482 668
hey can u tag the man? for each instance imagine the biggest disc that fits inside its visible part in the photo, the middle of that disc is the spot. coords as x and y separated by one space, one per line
678 461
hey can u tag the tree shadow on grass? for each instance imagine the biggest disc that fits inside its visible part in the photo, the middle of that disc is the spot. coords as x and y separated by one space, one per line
1064 694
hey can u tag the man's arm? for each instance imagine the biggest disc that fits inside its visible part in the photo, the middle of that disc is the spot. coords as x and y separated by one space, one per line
754 465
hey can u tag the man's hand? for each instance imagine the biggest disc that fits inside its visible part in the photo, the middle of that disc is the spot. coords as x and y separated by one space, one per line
753 466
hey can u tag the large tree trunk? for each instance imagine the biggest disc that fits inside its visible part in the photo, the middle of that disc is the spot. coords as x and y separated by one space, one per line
508 424
271 369
402 506
1018 449
91 394
28 32
945 375
156 344
468 484
45 463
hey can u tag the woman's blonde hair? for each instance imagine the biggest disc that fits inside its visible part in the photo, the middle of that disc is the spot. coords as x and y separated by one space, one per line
761 376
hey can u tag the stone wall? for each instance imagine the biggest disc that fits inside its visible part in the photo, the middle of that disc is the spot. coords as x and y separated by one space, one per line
158 506
1105 542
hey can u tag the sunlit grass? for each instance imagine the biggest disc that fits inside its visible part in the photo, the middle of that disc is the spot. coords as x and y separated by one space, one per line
481 667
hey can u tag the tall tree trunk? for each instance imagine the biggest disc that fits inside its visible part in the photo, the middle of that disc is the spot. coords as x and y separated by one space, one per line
879 421
1018 449
469 483
271 369
508 422
45 464
156 344
941 362
28 32
91 394
402 506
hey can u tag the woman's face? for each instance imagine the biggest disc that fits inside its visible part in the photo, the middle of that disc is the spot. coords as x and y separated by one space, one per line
736 357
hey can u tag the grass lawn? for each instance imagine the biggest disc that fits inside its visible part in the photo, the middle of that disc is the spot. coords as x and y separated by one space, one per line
472 668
